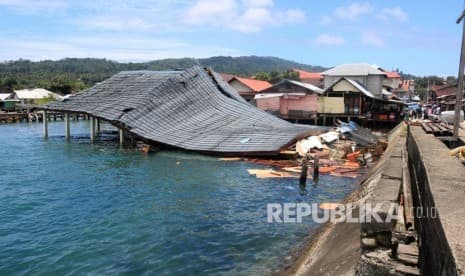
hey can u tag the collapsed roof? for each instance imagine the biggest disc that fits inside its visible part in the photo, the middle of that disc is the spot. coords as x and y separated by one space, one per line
192 109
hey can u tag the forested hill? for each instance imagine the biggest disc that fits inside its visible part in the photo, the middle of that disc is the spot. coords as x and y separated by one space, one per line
73 74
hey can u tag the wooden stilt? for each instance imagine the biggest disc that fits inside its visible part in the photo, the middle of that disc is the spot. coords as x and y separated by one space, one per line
324 120
316 168
121 137
92 129
98 126
303 172
45 122
67 129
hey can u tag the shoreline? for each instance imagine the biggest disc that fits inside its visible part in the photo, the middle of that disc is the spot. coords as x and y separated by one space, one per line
334 249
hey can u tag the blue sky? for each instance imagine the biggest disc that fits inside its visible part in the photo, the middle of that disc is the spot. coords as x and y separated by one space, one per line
418 37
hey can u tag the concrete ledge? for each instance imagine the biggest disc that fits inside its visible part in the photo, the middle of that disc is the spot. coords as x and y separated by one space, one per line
438 182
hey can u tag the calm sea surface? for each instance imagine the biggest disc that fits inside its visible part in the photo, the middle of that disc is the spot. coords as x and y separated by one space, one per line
75 208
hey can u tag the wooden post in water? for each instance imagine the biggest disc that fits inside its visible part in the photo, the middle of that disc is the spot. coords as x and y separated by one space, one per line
45 122
316 168
67 129
98 126
121 137
303 172
92 128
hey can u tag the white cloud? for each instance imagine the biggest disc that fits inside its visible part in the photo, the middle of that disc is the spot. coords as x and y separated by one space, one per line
396 13
120 48
327 39
34 6
250 17
353 11
210 11
294 16
257 3
115 23
372 39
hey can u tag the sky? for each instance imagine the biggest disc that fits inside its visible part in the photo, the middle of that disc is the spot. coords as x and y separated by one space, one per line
417 37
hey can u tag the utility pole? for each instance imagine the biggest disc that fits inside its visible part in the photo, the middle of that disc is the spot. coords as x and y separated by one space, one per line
427 93
459 95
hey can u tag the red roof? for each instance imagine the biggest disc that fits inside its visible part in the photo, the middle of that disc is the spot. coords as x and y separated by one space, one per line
436 87
255 85
447 90
308 75
392 75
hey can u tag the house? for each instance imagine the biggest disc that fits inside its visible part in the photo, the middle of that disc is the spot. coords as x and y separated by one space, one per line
402 94
313 78
392 80
8 101
365 74
193 109
290 99
248 88
226 77
349 98
33 96
408 85
440 91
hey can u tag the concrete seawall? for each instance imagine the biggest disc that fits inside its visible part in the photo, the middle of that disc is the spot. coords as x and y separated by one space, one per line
433 245
438 183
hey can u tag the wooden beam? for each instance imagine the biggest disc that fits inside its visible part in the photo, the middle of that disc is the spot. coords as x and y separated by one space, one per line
97 126
67 129
121 137
45 122
92 129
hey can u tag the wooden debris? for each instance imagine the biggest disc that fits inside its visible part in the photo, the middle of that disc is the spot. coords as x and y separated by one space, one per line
407 249
407 270
407 259
231 159
329 206
276 163
269 173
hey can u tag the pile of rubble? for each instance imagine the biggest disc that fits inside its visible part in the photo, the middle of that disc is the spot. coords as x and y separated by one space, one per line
345 151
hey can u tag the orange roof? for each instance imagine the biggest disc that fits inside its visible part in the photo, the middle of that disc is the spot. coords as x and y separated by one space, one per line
392 74
255 85
308 75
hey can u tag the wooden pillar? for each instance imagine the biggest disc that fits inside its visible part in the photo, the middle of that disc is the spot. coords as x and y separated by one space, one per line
45 122
324 120
67 129
315 121
121 137
92 129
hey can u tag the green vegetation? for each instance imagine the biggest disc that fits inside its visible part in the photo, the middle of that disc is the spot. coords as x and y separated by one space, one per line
45 100
70 75
274 76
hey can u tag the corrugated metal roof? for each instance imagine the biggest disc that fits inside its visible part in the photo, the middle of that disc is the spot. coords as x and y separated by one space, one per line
308 86
360 87
185 109
360 69
254 85
36 94
4 96
308 75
